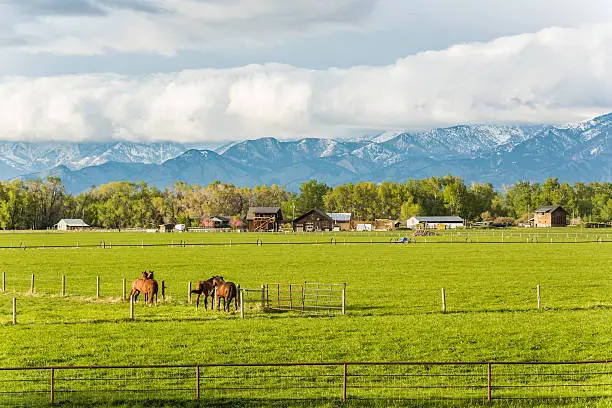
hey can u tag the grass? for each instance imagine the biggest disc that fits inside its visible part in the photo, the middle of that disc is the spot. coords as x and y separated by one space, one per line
393 302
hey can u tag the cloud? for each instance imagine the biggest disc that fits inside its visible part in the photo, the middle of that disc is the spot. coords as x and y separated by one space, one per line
553 76
89 27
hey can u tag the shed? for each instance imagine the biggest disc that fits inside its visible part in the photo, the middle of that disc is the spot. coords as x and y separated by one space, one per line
386 224
71 224
166 227
264 219
221 221
313 220
435 221
342 221
550 216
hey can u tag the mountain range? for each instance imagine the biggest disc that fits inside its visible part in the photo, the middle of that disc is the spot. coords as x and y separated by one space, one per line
498 154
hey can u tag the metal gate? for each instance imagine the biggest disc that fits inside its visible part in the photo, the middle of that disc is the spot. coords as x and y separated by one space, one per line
306 297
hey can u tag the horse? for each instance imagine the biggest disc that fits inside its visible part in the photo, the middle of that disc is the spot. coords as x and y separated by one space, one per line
149 290
205 288
227 291
138 284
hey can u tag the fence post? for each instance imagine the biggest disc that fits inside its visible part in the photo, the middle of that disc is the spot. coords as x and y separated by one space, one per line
63 285
489 382
97 287
189 293
344 382
539 298
197 382
443 301
131 307
263 297
344 299
123 292
14 311
163 290
52 387
241 304
32 285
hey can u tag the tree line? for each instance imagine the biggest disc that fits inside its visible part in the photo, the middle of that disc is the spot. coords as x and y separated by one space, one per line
39 204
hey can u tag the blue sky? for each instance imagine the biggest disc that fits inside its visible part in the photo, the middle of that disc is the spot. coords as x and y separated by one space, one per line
220 70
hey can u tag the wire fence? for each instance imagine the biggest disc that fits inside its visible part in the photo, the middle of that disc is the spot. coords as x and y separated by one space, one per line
57 241
476 382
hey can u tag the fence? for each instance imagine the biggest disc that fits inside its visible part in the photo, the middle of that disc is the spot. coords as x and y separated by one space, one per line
307 297
478 382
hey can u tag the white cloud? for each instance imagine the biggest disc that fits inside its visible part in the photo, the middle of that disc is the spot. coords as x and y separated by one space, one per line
555 75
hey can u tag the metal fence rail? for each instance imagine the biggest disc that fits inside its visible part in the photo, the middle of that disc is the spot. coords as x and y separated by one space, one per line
307 297
483 382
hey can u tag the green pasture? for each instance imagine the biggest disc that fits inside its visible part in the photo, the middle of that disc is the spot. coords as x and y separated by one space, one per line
393 299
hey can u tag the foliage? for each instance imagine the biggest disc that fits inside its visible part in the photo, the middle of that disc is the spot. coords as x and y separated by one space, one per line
36 204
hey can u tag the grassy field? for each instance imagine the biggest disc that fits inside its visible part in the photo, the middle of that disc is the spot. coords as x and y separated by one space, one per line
393 299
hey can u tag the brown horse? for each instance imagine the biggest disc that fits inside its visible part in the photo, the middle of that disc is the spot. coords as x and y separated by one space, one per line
207 289
226 291
138 284
150 289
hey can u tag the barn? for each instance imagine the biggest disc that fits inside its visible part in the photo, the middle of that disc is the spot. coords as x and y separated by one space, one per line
220 221
71 224
166 228
264 219
435 222
342 221
313 220
550 216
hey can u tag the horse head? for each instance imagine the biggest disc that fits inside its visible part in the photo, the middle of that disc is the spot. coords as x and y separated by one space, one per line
150 275
217 280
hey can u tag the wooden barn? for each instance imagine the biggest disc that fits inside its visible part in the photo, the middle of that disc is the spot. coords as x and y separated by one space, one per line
550 216
313 220
264 219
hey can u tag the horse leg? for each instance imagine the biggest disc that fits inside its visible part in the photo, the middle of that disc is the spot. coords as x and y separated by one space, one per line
198 300
218 302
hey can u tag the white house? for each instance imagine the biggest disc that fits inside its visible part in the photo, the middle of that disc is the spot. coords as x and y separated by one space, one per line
449 221
68 224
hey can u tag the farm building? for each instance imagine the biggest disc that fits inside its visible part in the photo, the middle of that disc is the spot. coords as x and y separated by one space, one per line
166 228
342 221
71 224
435 222
221 221
385 224
264 219
550 216
313 220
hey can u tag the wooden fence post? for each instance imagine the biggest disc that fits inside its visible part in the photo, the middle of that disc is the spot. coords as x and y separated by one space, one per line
52 387
97 287
32 285
197 382
131 307
539 298
344 384
63 293
489 382
163 287
443 301
344 299
263 297
14 311
241 304
189 293
123 291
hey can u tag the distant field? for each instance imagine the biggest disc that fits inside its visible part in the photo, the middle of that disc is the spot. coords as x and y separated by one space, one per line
393 298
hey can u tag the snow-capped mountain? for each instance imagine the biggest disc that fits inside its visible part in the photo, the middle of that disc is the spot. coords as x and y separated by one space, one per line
28 157
479 153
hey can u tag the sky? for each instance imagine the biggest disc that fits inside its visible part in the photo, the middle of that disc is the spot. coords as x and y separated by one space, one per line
226 70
